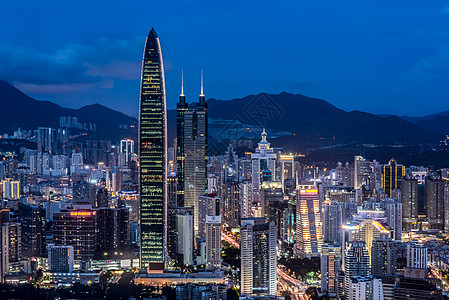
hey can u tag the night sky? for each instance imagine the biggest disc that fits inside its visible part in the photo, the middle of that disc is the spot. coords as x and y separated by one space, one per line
375 56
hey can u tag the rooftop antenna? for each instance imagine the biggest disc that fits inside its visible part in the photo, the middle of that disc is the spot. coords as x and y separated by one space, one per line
182 97
202 92
202 97
182 82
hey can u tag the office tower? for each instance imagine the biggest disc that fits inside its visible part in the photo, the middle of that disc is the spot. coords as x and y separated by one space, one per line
153 153
332 222
349 210
10 189
230 204
391 175
434 199
246 200
184 226
369 230
339 194
32 218
77 228
287 168
344 175
446 205
191 152
103 198
361 172
409 200
289 225
408 288
213 241
14 241
330 266
416 261
393 213
172 232
356 263
263 159
2 171
4 251
127 147
273 204
112 225
84 190
60 258
208 205
309 231
172 186
258 257
383 257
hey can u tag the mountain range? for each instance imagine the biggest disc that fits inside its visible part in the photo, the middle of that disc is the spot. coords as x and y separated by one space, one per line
303 120
20 110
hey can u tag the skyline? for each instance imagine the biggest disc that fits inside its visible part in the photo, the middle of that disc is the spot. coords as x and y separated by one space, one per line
394 60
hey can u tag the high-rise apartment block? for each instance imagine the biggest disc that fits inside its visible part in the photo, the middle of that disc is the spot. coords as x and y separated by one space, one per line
258 257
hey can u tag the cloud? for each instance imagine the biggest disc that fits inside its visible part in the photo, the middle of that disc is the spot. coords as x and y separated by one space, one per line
73 67
437 64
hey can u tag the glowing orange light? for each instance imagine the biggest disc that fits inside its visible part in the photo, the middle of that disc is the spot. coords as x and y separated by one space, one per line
80 213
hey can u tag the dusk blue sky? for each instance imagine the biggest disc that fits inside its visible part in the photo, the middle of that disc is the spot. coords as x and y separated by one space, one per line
375 56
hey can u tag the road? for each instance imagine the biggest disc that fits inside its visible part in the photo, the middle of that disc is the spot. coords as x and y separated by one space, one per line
286 282
436 273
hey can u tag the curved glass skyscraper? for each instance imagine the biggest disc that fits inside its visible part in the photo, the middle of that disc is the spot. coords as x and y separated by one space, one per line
153 153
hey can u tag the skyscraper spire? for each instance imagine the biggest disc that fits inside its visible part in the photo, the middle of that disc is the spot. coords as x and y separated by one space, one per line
202 91
182 82
182 97
202 97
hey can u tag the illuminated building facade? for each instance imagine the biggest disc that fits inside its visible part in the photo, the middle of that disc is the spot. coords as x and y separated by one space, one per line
391 176
60 259
213 242
76 228
330 266
32 218
273 204
434 199
258 257
309 231
409 200
191 152
127 147
287 167
152 153
367 230
356 263
10 189
208 205
384 257
264 159
361 172
112 228
332 221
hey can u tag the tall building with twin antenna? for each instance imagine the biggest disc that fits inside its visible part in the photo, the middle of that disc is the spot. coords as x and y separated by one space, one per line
153 153
191 151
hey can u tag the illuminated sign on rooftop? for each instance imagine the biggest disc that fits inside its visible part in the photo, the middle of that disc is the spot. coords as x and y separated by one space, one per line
81 213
